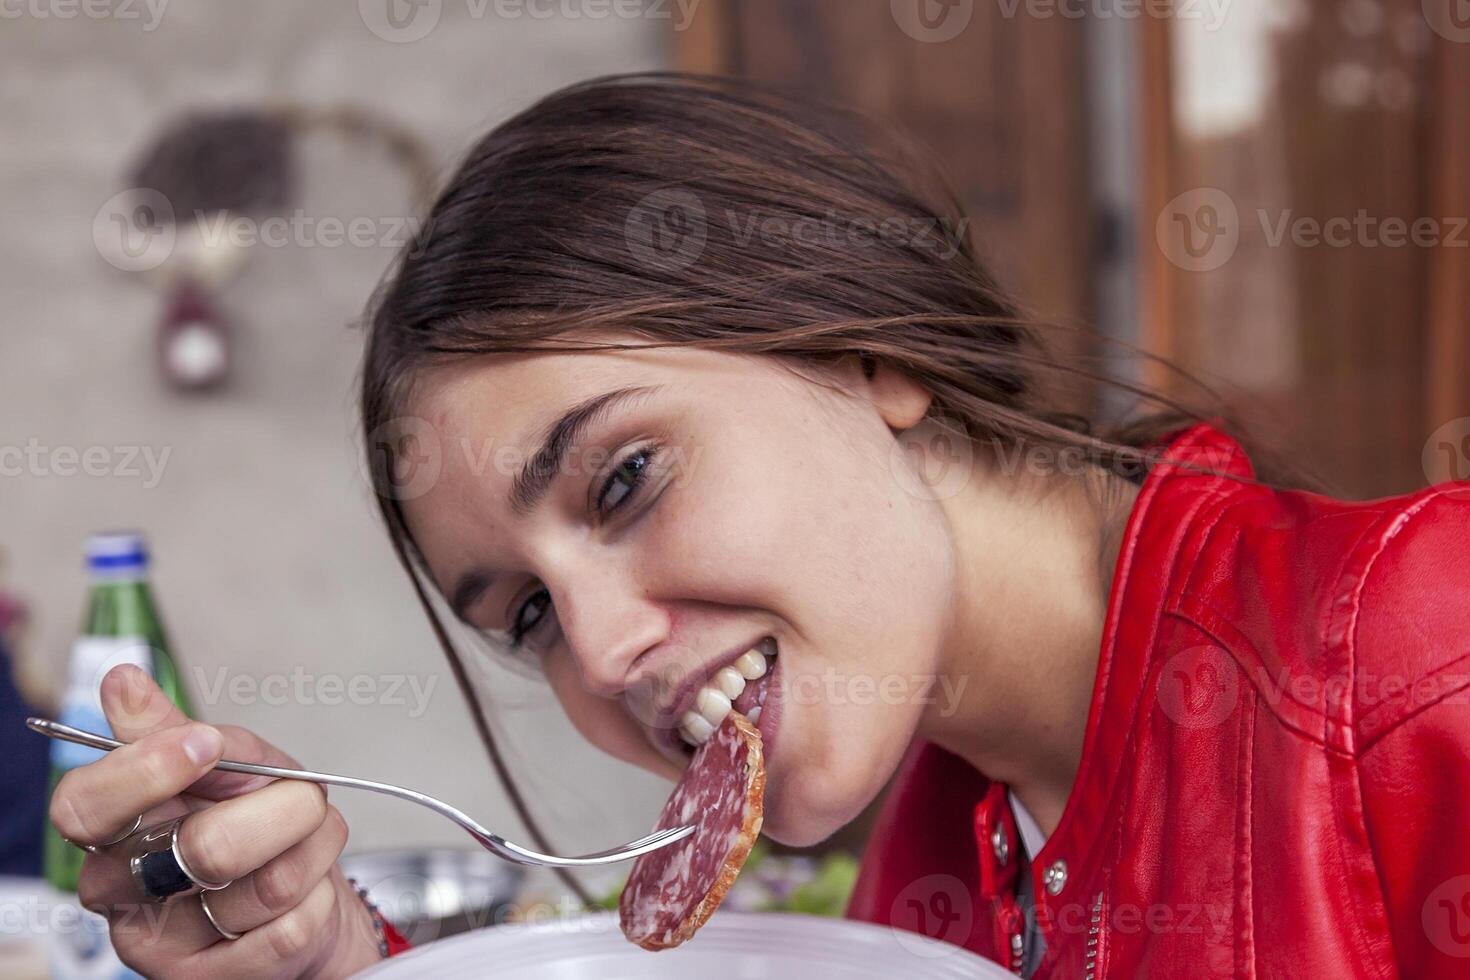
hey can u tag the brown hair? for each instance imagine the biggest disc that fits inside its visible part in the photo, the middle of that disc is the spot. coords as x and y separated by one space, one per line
702 212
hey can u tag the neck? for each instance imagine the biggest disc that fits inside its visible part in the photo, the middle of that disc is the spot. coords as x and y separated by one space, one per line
1036 559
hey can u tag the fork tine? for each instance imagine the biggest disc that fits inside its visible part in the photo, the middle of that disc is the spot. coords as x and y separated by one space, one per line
656 835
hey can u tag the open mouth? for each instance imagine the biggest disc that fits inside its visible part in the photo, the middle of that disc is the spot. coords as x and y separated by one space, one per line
740 686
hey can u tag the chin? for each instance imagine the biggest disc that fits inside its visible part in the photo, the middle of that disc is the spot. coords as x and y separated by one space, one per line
804 809
799 832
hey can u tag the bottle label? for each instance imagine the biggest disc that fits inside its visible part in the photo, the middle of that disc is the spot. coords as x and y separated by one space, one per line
91 658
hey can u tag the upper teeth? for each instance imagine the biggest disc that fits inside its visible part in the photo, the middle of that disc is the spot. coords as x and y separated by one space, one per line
713 702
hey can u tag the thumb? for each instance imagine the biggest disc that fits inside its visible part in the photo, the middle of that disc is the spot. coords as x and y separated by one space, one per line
135 705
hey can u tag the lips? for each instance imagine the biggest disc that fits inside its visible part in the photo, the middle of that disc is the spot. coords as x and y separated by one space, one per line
739 680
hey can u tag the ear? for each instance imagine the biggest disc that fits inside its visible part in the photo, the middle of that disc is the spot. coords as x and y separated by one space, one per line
901 400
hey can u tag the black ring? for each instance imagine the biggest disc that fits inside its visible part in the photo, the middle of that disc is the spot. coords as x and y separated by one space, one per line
159 870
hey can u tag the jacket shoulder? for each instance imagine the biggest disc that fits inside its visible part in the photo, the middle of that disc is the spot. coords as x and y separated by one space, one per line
1331 607
1407 621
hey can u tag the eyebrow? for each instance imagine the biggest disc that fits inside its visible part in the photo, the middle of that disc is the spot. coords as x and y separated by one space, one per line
535 478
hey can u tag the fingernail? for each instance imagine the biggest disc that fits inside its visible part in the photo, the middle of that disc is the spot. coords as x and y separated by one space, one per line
203 745
128 676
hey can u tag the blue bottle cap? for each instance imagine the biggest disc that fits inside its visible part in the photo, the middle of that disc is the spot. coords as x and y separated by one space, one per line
117 552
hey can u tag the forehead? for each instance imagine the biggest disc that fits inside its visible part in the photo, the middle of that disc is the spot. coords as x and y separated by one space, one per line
516 396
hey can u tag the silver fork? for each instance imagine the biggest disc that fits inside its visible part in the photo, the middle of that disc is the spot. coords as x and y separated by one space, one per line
491 842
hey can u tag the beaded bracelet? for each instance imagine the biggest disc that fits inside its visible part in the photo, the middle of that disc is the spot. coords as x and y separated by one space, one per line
379 926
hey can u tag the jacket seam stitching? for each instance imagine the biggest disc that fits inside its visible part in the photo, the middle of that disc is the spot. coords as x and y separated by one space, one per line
1420 709
1340 818
1216 502
1314 738
1215 515
1400 520
1199 597
1348 709
1245 959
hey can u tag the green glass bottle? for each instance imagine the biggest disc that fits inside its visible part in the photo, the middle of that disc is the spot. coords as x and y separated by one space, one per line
122 626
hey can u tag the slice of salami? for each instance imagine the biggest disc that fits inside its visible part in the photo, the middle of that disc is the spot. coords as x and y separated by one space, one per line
672 891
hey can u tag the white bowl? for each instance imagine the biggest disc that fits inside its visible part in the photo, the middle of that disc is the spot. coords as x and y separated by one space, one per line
731 946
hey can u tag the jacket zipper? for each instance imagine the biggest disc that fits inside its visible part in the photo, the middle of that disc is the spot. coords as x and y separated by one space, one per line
1094 941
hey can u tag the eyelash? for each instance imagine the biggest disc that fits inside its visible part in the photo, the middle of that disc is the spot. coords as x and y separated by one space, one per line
635 482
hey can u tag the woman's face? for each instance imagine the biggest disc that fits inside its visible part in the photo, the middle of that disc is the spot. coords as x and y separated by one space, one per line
728 503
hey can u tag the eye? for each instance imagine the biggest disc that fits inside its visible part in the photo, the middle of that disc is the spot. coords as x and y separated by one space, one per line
536 606
625 479
621 486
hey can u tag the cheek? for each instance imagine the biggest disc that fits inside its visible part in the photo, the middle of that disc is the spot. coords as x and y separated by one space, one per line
815 529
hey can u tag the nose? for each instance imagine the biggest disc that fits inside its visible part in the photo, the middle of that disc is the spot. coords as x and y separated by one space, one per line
608 621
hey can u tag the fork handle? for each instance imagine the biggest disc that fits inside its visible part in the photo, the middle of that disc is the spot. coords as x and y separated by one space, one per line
66 733
494 842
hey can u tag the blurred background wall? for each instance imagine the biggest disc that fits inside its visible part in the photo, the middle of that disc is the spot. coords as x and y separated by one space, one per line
1189 177
270 561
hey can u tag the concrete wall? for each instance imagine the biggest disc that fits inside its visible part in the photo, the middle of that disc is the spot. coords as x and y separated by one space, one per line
269 558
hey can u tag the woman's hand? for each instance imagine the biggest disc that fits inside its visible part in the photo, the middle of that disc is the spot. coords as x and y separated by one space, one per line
277 841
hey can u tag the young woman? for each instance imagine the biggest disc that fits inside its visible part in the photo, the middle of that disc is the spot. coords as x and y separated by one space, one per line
670 377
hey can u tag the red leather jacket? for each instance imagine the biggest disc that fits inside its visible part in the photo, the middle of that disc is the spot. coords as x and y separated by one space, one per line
1275 778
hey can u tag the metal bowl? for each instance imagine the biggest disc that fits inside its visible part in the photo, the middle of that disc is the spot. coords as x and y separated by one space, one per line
436 892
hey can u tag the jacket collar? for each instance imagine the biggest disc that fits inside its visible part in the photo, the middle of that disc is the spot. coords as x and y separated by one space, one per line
1152 554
